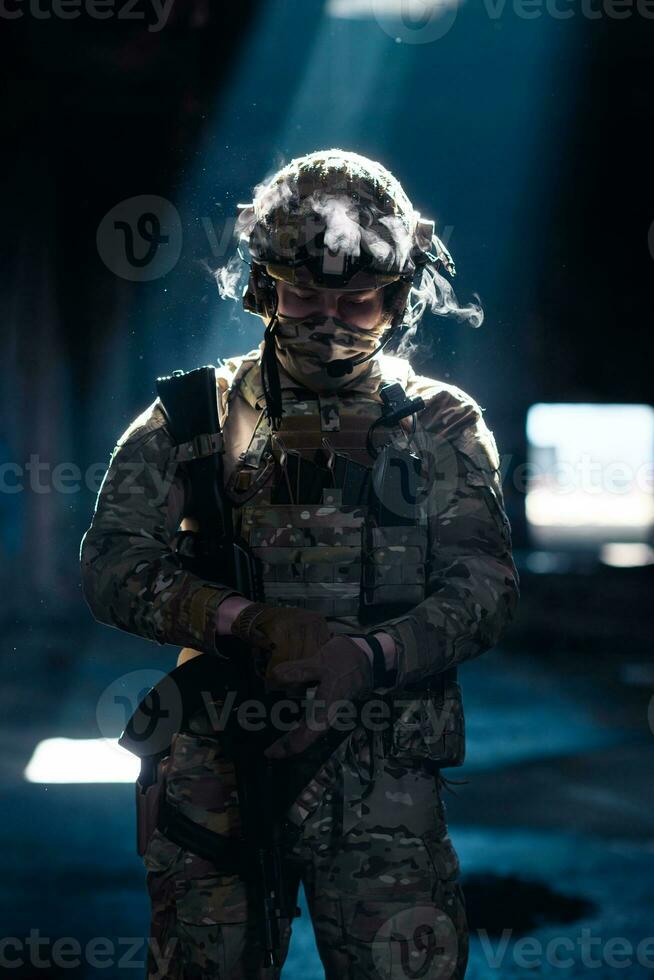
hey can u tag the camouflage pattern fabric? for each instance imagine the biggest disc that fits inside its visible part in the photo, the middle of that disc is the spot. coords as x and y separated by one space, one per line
372 850
305 346
457 578
133 580
381 881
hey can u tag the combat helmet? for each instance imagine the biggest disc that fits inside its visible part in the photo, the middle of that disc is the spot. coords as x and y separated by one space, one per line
335 219
338 220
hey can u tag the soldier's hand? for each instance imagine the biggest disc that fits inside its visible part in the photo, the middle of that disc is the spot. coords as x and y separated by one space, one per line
285 633
343 672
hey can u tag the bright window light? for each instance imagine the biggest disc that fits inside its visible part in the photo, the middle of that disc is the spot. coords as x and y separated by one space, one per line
406 9
590 474
81 760
625 554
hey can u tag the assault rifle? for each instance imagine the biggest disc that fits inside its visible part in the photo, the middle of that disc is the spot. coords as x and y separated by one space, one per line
190 404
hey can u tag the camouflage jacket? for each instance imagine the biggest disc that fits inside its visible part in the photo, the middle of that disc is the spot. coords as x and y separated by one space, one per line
132 578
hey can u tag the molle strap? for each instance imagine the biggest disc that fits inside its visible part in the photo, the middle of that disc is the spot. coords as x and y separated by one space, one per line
200 446
330 416
244 484
258 445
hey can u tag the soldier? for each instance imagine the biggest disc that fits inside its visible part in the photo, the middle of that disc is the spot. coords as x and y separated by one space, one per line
371 499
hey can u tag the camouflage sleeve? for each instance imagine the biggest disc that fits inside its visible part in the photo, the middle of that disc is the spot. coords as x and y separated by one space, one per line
472 582
131 577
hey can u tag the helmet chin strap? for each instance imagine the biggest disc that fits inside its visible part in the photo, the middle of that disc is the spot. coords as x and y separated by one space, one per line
270 382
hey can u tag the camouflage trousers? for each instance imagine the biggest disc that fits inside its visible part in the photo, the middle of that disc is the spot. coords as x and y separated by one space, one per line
369 844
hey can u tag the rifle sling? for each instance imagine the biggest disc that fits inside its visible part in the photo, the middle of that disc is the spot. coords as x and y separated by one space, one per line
231 855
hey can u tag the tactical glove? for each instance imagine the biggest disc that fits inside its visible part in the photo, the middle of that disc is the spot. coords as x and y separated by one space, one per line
343 672
283 633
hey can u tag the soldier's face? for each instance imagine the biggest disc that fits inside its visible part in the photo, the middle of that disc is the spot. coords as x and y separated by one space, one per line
362 308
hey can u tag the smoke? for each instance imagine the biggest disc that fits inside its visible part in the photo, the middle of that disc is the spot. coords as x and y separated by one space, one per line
402 239
347 225
341 219
435 293
230 278
272 197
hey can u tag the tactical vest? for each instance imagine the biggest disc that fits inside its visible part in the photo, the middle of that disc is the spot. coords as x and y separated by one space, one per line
332 520
311 526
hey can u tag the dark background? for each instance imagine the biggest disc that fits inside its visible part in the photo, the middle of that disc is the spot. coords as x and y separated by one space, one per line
529 140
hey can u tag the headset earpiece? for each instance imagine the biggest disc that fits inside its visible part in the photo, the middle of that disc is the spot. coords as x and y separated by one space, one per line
260 297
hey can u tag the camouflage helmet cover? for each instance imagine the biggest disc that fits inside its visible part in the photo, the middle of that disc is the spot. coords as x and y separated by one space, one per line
336 219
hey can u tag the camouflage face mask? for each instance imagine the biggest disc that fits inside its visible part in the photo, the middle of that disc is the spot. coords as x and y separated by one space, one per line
306 345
